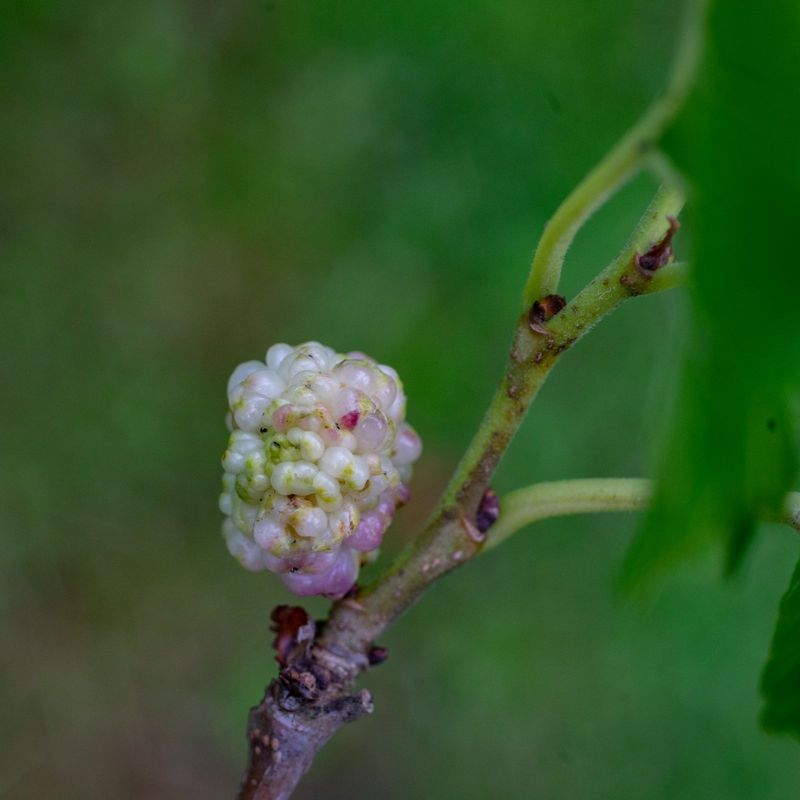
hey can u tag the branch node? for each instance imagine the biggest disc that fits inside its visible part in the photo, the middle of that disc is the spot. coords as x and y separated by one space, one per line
544 310
488 511
471 530
660 254
294 632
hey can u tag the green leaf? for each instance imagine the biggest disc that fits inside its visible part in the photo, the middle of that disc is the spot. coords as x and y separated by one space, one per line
780 682
730 454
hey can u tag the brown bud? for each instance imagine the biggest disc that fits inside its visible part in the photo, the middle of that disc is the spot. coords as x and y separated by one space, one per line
377 655
488 511
543 310
294 631
660 254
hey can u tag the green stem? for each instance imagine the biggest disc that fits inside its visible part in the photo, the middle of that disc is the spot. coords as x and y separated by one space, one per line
633 151
534 355
562 498
342 647
621 278
451 536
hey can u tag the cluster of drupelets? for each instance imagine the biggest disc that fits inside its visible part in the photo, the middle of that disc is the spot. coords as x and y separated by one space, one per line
317 462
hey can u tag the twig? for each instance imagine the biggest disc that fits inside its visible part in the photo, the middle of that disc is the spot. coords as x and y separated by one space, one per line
639 147
540 501
312 697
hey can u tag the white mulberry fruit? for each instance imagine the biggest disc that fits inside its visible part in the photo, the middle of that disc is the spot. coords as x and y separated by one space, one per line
318 460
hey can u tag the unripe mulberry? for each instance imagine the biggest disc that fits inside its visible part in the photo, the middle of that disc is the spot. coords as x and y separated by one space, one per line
318 460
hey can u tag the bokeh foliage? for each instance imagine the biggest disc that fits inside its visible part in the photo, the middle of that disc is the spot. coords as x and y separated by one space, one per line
187 182
732 454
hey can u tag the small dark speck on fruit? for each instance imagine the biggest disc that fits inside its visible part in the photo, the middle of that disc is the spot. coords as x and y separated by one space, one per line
350 419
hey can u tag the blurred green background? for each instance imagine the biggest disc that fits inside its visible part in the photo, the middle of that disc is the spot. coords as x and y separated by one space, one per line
185 183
